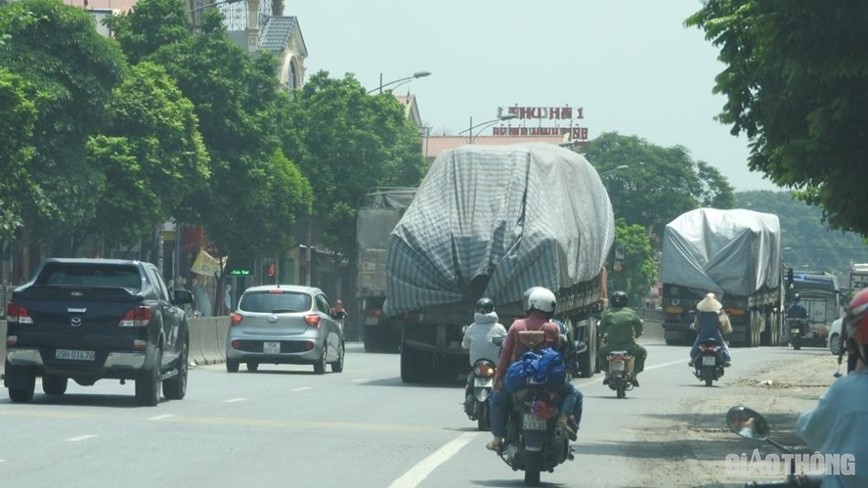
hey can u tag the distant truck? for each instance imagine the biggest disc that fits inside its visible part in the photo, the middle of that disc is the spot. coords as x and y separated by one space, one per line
735 254
494 221
379 212
820 295
858 278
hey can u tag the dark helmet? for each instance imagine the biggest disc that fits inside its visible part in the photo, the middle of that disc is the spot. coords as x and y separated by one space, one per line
484 305
619 299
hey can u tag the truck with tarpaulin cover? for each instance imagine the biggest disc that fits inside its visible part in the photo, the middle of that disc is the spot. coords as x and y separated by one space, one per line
733 253
494 221
821 296
379 211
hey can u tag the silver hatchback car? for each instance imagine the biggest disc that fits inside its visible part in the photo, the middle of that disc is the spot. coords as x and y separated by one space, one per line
284 324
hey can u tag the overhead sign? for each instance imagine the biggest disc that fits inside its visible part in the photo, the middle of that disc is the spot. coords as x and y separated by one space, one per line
560 121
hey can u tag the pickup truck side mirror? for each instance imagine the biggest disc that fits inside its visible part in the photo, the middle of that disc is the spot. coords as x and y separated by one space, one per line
182 297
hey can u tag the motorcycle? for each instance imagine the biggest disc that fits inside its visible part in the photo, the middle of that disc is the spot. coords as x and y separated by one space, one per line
708 366
797 333
749 424
534 440
620 367
477 405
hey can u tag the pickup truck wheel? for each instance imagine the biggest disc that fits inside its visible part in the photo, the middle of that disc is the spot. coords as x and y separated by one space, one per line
320 366
175 388
24 381
54 385
148 384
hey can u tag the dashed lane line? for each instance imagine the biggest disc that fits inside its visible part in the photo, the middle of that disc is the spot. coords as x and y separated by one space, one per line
417 474
234 400
81 438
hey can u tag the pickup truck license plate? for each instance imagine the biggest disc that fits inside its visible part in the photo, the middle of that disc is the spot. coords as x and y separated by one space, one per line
709 360
532 423
74 355
271 347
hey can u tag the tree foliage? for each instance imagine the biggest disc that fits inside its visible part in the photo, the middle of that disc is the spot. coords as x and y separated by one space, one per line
638 271
348 142
73 69
796 82
659 183
16 150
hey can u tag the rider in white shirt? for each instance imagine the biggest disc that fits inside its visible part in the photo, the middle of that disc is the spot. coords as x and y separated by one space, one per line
839 424
478 339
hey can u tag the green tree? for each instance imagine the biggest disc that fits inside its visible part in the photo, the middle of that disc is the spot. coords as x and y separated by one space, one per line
637 271
797 86
347 142
153 24
16 150
254 193
153 155
73 69
659 183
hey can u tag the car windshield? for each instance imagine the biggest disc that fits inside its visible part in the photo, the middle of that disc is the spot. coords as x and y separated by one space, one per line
87 274
274 301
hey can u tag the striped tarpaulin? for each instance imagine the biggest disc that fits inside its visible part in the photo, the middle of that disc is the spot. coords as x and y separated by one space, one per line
524 215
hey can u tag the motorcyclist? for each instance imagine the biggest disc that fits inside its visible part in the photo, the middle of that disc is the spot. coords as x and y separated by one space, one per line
622 325
711 322
478 340
540 307
840 421
796 311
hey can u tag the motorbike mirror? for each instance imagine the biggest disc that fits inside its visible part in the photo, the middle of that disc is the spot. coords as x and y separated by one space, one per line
747 423
580 347
497 341
464 329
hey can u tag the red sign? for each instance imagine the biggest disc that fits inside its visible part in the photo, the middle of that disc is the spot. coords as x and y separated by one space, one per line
566 121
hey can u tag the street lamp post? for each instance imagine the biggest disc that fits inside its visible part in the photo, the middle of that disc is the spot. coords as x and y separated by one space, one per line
483 125
406 79
613 170
192 12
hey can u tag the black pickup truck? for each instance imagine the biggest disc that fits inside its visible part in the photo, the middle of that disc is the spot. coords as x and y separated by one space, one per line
91 319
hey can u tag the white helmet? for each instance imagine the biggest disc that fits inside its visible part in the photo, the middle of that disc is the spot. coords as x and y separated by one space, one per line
541 299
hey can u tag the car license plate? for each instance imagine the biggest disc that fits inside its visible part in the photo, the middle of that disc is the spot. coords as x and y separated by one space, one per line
271 347
617 366
709 360
74 355
483 382
530 422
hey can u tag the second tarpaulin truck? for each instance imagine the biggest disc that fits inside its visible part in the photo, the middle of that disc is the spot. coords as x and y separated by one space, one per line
822 298
379 212
494 221
735 254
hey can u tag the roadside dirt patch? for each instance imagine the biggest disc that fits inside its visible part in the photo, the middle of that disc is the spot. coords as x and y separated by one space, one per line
698 441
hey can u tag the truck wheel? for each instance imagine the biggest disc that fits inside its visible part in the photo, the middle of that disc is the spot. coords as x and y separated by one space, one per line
175 388
588 359
148 384
54 385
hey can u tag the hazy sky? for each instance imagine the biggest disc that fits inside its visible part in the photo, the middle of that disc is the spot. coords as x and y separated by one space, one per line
631 65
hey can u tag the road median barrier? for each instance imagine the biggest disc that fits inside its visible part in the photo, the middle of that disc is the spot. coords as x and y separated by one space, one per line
208 339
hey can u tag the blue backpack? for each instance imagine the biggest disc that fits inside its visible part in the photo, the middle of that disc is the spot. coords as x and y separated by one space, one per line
546 367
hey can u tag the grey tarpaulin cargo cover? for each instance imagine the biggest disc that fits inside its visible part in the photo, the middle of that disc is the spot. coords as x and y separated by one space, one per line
526 215
723 251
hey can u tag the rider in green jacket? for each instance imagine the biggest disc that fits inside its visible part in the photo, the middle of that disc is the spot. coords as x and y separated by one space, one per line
621 325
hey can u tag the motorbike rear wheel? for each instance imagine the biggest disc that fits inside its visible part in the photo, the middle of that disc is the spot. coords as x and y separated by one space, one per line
532 468
622 392
482 422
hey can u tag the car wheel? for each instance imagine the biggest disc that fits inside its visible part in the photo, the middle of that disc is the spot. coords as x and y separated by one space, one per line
320 366
148 384
232 365
252 366
338 366
835 344
26 383
175 388
54 385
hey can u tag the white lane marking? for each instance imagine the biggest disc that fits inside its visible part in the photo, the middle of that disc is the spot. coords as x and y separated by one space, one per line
419 472
233 400
303 388
663 365
161 417
81 438
361 380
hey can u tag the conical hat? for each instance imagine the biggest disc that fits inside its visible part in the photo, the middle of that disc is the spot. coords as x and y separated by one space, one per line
709 304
